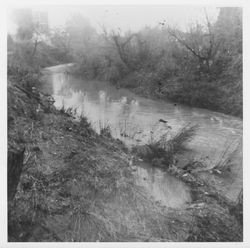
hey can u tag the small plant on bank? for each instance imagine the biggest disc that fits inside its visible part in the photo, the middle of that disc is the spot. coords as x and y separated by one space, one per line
85 126
105 129
162 152
66 111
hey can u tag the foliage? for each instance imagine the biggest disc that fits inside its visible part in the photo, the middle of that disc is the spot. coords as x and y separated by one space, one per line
33 46
200 67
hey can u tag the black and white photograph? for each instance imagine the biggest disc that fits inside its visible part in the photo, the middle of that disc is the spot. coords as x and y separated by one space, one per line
124 123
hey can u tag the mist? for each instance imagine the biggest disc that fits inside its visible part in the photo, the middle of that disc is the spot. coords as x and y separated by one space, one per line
126 17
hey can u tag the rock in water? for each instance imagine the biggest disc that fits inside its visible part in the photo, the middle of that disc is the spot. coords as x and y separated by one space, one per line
163 121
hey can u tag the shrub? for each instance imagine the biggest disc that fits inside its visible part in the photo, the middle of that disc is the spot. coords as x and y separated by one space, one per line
162 152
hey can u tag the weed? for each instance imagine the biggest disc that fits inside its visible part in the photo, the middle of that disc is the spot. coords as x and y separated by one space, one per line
128 129
105 129
225 162
66 111
85 126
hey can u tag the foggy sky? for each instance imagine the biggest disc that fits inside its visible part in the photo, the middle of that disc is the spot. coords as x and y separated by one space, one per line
131 17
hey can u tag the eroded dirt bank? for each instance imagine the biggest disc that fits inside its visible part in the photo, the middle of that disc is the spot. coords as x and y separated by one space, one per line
77 185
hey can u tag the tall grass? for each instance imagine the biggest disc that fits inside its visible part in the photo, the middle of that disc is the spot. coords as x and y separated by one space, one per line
162 152
105 129
177 143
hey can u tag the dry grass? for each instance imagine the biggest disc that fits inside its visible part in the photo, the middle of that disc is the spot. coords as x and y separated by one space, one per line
87 196
225 162
94 202
213 223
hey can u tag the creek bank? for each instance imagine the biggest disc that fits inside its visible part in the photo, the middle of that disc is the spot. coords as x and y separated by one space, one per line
204 194
198 92
77 185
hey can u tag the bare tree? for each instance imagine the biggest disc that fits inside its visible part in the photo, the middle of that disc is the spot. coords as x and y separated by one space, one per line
37 38
201 43
121 45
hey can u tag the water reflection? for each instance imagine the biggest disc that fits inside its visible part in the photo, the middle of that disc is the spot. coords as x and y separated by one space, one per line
137 117
163 187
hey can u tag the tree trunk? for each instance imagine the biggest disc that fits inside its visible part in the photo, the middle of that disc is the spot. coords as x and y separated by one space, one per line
121 51
34 49
15 166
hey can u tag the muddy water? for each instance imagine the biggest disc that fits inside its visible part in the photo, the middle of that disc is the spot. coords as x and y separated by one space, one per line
164 188
135 120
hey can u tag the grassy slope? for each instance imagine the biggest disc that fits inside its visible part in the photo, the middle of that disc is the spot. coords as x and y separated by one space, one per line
77 186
